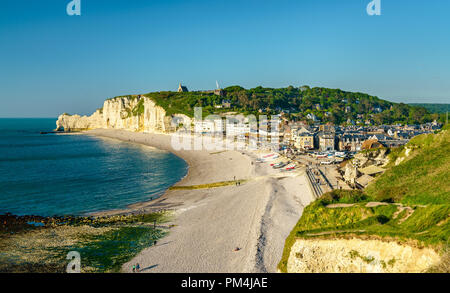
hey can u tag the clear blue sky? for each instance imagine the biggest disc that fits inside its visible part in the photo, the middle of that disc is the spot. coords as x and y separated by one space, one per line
52 63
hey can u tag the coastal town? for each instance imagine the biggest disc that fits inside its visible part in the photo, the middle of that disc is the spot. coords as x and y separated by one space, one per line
324 149
305 135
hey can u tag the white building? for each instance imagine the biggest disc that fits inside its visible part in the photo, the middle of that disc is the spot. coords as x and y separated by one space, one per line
209 126
312 117
235 129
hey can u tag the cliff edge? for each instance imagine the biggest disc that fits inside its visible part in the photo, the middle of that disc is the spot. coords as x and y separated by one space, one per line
133 113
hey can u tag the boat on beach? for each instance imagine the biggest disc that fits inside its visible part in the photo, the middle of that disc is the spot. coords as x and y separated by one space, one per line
290 167
269 157
279 165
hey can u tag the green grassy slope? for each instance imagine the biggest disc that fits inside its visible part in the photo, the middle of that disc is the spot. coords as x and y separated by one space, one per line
423 178
415 198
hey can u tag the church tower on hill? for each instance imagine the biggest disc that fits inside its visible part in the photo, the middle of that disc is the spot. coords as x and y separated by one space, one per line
182 89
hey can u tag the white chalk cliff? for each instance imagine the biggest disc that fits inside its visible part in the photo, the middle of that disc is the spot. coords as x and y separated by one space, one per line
134 113
358 256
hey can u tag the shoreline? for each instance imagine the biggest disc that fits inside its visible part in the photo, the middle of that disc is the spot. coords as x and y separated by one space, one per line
210 223
160 142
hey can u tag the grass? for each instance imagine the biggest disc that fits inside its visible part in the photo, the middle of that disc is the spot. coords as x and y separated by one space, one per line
205 186
184 103
422 178
420 182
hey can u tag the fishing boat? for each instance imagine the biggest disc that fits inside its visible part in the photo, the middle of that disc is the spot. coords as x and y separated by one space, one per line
269 157
279 165
289 167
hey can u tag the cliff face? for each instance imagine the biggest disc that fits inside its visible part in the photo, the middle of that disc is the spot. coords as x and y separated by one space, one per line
358 256
134 113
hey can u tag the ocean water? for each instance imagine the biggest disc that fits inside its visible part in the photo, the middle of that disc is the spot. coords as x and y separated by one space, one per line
73 174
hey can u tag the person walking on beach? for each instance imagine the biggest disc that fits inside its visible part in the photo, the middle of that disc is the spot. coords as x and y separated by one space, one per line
134 268
138 267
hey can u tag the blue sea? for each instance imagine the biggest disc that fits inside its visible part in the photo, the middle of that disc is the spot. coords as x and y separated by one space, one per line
76 174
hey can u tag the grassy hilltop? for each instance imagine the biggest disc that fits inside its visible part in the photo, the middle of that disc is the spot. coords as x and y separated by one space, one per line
412 202
329 105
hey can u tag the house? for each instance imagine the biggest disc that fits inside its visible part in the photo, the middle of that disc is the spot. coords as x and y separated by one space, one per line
236 129
286 133
304 141
226 104
326 141
351 142
182 89
379 137
219 92
208 126
391 132
298 129
378 109
270 129
327 128
401 135
237 126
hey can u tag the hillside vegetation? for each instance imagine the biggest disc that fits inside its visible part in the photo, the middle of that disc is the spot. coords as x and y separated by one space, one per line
329 105
433 108
409 203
